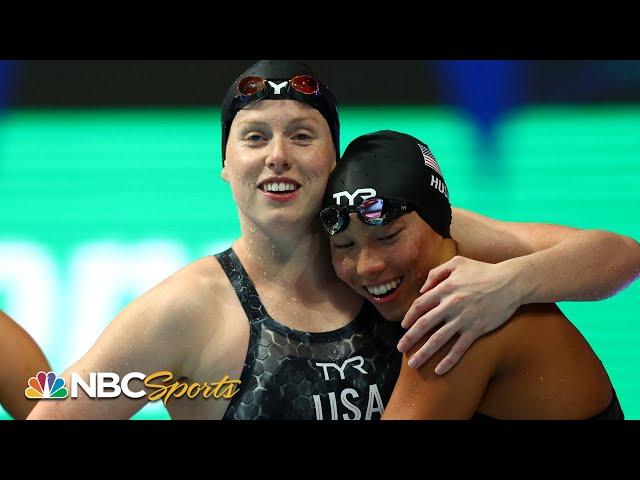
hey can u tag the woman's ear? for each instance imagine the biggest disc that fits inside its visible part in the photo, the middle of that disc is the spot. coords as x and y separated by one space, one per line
224 175
334 164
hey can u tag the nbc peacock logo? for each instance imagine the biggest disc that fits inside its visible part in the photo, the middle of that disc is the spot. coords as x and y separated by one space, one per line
46 386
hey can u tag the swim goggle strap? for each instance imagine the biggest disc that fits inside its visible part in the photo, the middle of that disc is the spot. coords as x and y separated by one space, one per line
251 89
373 211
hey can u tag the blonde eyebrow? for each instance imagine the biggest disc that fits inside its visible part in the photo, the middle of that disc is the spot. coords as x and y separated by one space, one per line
247 125
302 120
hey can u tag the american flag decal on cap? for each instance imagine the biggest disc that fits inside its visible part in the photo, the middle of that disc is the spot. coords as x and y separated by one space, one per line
429 159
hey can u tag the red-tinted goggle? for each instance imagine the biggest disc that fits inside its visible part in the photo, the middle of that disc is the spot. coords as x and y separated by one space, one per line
249 87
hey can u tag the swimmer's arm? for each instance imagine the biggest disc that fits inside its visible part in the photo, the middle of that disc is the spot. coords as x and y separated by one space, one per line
144 338
550 263
20 359
503 265
419 394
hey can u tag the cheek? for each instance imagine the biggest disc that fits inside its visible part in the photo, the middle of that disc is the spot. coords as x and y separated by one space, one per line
412 259
242 174
322 164
319 177
412 255
343 266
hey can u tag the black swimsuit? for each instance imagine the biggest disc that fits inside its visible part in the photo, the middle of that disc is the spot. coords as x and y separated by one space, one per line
346 374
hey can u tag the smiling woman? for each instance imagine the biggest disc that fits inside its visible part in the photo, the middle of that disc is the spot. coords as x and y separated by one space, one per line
394 189
387 263
537 366
210 319
264 140
269 310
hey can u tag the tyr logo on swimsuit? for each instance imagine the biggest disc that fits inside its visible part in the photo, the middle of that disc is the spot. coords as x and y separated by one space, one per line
374 404
340 370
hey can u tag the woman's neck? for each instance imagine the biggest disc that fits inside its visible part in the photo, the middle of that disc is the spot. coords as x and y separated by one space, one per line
446 251
296 259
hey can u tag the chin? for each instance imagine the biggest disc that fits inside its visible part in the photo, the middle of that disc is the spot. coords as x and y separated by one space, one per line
390 314
285 217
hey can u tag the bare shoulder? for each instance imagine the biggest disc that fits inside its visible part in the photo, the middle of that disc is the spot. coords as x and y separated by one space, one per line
8 328
195 286
13 337
18 349
8 325
20 358
198 302
183 296
158 329
545 356
539 331
165 329
534 319
421 394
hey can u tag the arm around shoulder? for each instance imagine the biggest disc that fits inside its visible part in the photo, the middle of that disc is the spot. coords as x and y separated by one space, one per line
551 262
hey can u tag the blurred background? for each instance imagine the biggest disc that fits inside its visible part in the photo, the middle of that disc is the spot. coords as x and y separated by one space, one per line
109 175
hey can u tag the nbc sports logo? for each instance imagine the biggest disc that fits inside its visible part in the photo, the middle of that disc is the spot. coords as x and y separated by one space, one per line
46 386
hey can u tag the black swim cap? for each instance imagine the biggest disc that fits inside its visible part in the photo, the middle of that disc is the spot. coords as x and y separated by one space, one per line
392 165
279 71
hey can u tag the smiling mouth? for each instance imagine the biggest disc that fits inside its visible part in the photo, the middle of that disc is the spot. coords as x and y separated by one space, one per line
279 188
384 289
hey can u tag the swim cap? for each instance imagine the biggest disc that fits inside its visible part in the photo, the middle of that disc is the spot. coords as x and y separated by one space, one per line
278 71
396 166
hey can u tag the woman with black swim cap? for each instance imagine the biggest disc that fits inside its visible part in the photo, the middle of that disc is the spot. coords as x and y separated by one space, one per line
270 311
397 228
495 288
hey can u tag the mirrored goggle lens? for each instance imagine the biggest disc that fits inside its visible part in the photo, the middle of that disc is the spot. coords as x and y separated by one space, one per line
371 208
331 219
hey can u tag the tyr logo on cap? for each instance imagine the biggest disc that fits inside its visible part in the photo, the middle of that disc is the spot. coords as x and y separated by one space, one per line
277 86
364 192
